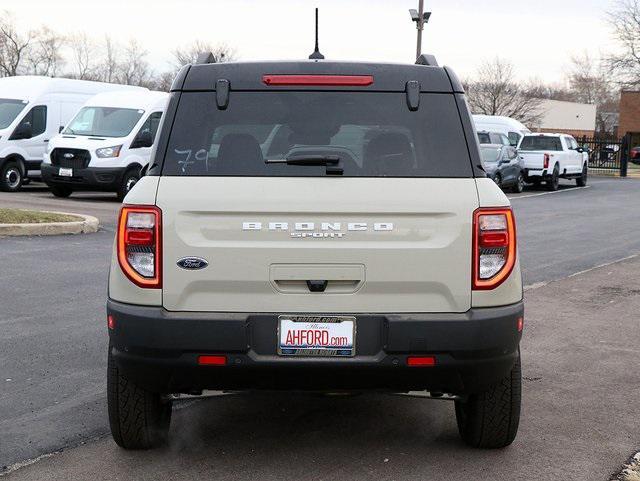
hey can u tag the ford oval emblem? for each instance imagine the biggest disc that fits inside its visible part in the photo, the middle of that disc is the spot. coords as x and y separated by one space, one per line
68 155
192 263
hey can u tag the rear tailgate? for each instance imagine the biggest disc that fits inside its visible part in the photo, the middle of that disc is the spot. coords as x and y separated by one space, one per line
533 160
405 249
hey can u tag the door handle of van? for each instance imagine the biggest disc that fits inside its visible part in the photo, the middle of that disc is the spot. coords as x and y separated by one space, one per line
46 140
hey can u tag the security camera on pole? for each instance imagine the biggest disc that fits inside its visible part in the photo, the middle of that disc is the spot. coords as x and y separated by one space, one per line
420 17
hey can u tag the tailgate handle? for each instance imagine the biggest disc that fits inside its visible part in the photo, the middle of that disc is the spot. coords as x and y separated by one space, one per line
317 286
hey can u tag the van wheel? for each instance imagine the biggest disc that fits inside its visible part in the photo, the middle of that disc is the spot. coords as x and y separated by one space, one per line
519 185
60 190
11 177
490 419
582 180
139 419
130 178
554 182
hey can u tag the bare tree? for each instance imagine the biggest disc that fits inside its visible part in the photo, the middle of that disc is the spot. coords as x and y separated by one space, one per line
134 68
189 53
83 51
45 57
14 45
589 83
495 91
110 68
624 19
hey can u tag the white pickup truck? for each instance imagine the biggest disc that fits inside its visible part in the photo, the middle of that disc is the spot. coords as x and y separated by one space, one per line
550 157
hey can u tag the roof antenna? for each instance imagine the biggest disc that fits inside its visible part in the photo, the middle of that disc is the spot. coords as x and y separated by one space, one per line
316 55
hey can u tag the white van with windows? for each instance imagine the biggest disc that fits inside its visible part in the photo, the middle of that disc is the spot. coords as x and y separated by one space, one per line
32 110
106 147
513 129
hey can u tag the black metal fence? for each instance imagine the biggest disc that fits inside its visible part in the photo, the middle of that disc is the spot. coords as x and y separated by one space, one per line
607 155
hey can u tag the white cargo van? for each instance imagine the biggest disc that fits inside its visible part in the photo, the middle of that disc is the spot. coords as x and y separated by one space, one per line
32 110
501 125
107 145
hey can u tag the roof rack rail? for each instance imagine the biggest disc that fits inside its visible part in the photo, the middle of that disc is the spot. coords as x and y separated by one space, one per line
206 57
427 59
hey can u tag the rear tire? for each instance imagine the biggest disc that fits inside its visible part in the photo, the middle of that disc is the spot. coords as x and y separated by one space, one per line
139 419
11 177
582 180
60 190
519 185
490 419
498 180
129 179
554 182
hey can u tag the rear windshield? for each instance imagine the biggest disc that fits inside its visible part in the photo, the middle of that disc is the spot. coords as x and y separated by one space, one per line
373 134
536 142
484 138
9 110
104 122
490 154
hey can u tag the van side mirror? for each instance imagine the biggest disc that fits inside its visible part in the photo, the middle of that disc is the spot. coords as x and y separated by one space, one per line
143 139
580 150
60 129
23 131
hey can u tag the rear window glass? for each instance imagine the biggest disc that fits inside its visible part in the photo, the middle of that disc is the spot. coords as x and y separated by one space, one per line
484 138
490 154
373 134
541 143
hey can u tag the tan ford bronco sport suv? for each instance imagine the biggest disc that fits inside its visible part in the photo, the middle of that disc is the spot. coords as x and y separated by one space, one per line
321 226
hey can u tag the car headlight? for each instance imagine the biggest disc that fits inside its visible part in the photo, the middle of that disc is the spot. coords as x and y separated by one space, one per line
106 152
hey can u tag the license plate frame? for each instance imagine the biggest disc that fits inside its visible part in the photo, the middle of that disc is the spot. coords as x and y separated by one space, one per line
335 326
65 172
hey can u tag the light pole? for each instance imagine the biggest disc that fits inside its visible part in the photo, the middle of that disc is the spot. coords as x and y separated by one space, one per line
420 17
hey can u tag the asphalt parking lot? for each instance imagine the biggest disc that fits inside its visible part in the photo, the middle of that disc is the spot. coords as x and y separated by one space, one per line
580 351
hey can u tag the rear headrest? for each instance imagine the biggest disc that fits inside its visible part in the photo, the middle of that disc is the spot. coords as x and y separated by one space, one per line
388 149
239 149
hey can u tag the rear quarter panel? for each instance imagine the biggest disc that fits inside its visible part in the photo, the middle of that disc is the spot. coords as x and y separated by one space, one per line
121 289
510 291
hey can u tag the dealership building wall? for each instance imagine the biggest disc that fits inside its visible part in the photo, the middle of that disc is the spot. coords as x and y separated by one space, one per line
566 117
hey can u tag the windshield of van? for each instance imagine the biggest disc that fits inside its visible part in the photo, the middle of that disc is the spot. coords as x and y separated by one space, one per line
367 134
104 122
537 142
9 110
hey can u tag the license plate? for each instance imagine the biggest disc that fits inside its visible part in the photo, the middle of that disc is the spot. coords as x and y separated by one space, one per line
65 172
316 336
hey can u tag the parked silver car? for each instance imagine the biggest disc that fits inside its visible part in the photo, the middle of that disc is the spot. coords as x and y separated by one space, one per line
502 164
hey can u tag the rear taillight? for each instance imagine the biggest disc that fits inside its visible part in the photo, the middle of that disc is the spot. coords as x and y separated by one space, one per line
139 245
494 247
546 161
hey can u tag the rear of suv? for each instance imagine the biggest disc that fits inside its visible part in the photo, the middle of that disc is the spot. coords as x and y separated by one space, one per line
318 226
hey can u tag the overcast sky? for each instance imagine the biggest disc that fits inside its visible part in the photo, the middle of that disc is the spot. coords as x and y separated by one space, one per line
538 36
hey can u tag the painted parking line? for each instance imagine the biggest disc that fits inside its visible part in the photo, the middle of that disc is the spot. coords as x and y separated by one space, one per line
538 285
573 189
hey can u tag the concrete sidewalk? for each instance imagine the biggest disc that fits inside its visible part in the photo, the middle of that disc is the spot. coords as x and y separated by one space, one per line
581 359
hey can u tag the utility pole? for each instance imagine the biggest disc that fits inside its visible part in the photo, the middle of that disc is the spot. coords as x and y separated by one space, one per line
420 17
420 27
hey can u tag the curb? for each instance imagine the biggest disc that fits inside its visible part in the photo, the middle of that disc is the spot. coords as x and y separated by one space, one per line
87 225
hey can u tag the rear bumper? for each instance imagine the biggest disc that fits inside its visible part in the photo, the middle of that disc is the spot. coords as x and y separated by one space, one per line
91 178
535 173
159 350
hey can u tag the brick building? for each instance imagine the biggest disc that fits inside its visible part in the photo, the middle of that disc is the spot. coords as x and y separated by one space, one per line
630 115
